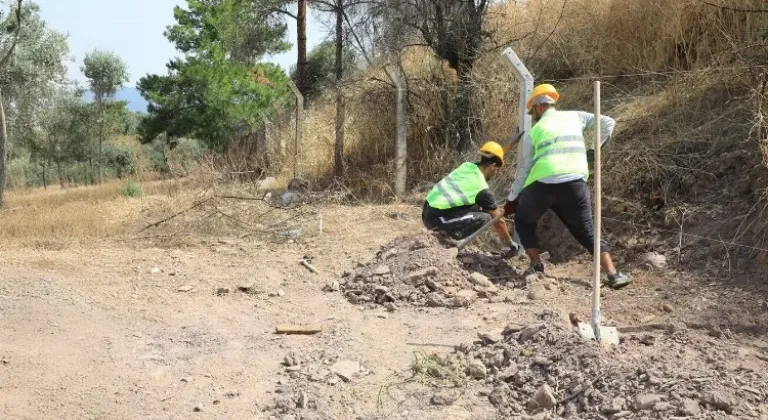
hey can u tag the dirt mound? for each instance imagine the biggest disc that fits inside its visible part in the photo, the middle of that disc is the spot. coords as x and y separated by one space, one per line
546 366
420 271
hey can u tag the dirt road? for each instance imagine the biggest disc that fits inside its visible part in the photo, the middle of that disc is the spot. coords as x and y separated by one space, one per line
124 329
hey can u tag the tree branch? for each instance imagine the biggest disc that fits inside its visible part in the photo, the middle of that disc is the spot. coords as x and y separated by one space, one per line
8 53
284 12
734 9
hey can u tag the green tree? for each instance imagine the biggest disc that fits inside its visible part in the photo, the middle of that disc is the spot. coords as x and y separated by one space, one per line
106 73
37 65
217 90
321 67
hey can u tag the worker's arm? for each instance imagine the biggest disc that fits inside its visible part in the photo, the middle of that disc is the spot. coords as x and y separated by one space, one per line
487 202
606 128
501 227
526 163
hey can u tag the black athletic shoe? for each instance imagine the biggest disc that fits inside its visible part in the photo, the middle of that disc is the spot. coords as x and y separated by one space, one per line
618 280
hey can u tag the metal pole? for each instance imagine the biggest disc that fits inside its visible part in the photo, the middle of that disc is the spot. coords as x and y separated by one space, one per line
401 150
598 228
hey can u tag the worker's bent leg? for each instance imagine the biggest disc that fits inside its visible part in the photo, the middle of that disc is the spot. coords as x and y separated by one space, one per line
457 226
461 226
574 209
535 200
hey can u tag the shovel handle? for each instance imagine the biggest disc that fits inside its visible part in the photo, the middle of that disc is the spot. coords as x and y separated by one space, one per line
477 233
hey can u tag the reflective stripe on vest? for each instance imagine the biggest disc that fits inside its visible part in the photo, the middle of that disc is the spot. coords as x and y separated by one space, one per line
459 188
558 144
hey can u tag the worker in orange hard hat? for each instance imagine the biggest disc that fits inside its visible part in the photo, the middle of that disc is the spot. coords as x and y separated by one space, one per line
552 174
461 203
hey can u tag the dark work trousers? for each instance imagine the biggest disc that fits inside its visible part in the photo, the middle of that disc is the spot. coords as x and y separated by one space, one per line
570 201
458 225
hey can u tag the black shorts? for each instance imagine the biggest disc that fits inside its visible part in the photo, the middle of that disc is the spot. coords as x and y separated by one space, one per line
457 225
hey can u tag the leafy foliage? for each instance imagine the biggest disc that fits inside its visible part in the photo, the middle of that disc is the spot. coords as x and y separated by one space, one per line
321 67
106 72
216 91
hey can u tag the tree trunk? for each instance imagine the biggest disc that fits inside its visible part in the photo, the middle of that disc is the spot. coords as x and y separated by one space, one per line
466 124
58 173
45 180
101 140
339 164
301 64
3 154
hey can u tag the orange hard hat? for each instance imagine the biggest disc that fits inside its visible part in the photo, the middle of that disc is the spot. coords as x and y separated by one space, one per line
543 89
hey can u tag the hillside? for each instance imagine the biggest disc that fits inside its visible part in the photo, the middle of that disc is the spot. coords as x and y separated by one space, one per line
130 94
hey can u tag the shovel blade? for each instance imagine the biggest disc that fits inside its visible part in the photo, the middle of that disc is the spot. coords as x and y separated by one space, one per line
608 335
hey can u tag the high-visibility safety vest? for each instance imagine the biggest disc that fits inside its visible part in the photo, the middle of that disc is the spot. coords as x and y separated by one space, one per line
558 146
458 188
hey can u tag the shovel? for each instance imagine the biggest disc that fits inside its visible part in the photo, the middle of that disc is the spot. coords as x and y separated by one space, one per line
593 330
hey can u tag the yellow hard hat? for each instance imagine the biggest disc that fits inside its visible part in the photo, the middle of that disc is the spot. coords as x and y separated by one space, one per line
493 149
543 89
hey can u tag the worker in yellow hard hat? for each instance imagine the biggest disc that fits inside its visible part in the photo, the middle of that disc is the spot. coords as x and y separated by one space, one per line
552 174
461 203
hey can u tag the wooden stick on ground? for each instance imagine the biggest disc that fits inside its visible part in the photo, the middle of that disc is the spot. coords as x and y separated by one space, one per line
309 266
298 329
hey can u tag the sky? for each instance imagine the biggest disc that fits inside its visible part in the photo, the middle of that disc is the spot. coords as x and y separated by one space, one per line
133 30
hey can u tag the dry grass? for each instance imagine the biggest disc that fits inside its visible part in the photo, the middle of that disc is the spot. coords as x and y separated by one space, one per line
39 217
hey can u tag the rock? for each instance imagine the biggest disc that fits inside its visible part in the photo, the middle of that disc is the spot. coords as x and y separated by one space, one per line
291 359
616 405
416 278
332 286
303 400
543 399
463 298
490 337
281 292
221 291
689 407
381 270
249 289
720 400
442 398
383 316
432 285
390 307
654 259
498 397
529 332
511 329
480 280
198 408
381 289
346 369
508 373
531 278
647 401
154 270
667 308
186 379
663 406
185 288
575 319
434 301
476 369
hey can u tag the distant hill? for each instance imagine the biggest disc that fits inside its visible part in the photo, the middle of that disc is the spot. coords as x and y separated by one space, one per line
129 94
